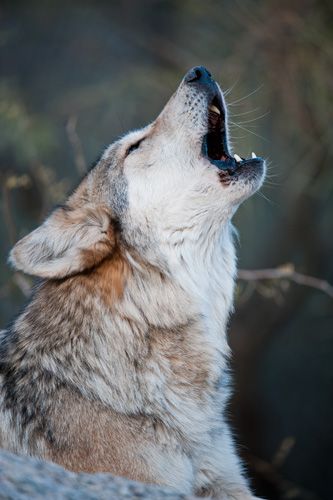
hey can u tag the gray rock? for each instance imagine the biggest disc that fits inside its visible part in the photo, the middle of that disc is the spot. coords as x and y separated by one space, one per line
26 477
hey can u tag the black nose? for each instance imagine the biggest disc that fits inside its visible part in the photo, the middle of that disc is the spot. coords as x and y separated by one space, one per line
198 74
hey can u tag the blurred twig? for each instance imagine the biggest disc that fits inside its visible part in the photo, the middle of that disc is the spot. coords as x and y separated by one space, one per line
76 144
7 214
14 182
288 489
270 471
23 283
283 451
10 183
286 271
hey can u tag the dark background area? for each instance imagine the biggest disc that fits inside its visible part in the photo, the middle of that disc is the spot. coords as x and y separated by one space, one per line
76 75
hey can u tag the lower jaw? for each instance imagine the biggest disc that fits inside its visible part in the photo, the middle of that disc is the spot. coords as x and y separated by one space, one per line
222 159
231 166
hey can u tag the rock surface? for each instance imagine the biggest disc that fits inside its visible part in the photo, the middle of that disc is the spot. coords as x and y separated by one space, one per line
30 478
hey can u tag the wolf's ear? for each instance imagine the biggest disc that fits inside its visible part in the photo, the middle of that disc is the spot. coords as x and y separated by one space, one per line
68 242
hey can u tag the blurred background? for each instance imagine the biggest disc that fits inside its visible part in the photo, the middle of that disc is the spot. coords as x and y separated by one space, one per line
76 75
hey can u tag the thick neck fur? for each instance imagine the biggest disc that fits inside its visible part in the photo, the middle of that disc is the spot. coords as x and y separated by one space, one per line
137 339
205 268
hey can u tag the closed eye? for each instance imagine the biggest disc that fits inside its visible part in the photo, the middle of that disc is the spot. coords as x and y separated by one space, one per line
133 147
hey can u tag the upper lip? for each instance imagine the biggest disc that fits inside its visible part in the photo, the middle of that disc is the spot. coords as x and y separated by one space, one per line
215 143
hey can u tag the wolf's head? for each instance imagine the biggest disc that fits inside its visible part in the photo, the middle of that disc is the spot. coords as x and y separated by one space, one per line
172 181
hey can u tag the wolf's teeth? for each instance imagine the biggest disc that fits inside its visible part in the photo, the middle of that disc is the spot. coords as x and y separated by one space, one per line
215 109
237 158
254 155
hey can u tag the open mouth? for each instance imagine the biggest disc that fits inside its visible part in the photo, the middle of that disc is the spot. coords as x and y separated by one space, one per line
215 144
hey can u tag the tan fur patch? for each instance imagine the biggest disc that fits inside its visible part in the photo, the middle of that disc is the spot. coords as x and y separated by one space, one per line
108 279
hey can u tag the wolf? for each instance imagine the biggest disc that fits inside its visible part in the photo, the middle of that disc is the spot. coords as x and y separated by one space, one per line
119 363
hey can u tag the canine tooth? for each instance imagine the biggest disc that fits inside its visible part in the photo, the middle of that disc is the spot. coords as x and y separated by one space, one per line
237 158
254 155
215 109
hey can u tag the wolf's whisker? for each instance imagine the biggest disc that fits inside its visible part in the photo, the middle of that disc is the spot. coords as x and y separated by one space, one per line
261 194
245 112
257 118
234 103
248 130
236 137
230 89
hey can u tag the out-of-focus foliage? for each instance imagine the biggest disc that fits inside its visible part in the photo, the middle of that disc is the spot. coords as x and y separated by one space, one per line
75 75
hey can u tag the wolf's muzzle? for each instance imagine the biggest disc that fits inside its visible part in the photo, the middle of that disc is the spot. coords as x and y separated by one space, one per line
215 142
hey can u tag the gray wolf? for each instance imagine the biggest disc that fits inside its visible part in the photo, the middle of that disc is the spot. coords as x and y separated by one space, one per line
119 362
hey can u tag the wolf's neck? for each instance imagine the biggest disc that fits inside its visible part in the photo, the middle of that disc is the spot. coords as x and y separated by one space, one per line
206 269
121 308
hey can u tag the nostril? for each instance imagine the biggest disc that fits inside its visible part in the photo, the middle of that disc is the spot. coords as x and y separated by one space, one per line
198 74
193 75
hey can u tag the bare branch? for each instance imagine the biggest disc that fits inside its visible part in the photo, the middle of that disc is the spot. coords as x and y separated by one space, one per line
283 451
7 213
23 284
287 488
76 144
286 271
12 182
